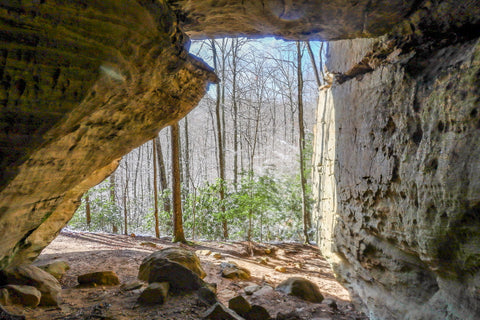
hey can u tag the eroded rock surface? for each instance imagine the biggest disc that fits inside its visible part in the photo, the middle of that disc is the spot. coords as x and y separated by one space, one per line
304 19
397 173
82 84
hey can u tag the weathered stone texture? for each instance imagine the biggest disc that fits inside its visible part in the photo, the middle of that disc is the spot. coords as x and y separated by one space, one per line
82 83
397 171
303 19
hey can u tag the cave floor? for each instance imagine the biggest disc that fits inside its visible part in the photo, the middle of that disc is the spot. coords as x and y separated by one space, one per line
89 252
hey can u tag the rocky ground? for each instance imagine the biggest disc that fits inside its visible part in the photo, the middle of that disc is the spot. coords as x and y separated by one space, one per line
90 252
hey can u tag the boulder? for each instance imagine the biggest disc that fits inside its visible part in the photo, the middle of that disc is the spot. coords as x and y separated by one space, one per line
301 288
185 257
257 313
156 268
155 293
219 312
107 278
33 276
57 268
24 295
240 305
231 270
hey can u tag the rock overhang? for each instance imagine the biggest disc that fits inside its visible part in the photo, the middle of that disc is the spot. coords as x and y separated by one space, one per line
102 100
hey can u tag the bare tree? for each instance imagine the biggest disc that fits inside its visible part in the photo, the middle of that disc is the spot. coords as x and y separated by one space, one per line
113 200
87 210
178 235
155 190
301 146
220 144
125 195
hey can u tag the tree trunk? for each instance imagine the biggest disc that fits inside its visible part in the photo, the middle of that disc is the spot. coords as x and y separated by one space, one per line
314 65
221 153
125 192
112 199
87 211
301 146
187 181
235 47
163 174
155 191
178 235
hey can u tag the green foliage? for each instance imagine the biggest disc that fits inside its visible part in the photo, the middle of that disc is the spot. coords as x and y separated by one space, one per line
274 205
105 213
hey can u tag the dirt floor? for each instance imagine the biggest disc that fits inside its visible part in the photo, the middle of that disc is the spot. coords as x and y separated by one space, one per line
90 252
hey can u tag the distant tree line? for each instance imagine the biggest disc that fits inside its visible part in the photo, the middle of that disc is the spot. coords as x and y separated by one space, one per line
237 167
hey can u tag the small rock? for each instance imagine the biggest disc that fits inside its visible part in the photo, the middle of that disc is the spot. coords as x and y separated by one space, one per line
240 305
211 286
280 269
249 290
203 252
23 295
4 297
155 293
258 313
331 303
207 295
108 278
219 312
4 315
231 270
289 316
149 244
36 277
264 291
217 255
57 268
301 288
132 285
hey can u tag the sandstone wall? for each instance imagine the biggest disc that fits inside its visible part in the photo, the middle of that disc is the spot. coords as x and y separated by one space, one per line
397 177
82 83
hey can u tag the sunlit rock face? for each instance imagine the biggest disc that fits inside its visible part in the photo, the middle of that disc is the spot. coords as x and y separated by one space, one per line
82 83
397 172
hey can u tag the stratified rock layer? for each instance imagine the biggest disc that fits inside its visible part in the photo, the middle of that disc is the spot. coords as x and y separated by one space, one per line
300 19
82 83
397 174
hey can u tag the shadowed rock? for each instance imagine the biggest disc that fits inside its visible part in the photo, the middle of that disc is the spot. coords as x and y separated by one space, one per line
219 312
155 293
33 276
107 278
301 288
158 268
